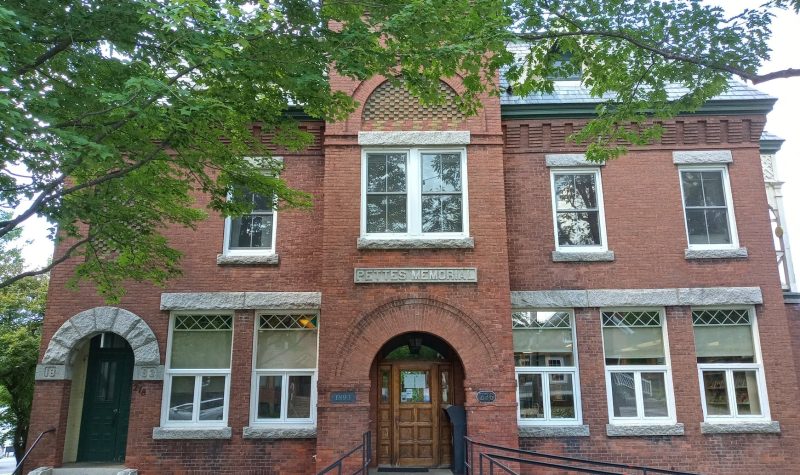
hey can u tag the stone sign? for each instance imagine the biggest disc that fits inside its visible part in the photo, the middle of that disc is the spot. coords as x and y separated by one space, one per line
486 396
343 397
426 275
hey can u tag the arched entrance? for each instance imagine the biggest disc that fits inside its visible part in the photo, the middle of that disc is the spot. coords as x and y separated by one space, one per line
102 351
415 376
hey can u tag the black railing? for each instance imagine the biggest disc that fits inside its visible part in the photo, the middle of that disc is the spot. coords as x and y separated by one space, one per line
491 462
366 457
33 446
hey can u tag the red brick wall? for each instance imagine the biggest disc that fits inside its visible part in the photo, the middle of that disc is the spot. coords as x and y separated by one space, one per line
793 314
299 245
512 252
646 231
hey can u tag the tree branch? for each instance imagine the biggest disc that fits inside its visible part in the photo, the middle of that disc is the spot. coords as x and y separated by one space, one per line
44 57
46 268
664 53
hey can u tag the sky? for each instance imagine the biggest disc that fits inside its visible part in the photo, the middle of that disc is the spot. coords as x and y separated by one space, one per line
782 121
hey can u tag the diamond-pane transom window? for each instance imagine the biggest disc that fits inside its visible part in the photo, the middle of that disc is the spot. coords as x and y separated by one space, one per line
721 317
203 322
299 321
541 320
632 319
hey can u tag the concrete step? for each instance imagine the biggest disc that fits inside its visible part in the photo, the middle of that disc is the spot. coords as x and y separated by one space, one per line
85 469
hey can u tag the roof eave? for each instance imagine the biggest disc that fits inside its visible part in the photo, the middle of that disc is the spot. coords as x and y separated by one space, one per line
587 109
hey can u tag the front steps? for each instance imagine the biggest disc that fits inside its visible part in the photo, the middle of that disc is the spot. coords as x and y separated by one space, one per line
85 469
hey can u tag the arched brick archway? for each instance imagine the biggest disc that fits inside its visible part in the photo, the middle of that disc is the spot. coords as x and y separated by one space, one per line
358 348
98 320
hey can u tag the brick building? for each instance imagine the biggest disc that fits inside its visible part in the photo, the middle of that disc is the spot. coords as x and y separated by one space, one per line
630 311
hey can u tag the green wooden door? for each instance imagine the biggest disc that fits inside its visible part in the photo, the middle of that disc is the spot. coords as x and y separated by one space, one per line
106 400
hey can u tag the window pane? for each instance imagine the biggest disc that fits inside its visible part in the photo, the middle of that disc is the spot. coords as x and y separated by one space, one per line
746 393
696 226
724 344
623 394
261 202
441 213
716 389
575 191
633 345
386 172
717 220
385 375
212 398
287 349
251 232
376 173
396 173
269 396
531 399
415 387
692 189
441 172
712 189
579 229
299 404
654 395
205 349
181 398
540 347
562 396
386 214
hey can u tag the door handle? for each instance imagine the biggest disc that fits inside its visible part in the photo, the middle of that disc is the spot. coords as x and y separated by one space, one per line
115 416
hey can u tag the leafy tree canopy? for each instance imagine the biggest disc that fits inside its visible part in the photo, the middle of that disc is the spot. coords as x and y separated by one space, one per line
112 112
21 312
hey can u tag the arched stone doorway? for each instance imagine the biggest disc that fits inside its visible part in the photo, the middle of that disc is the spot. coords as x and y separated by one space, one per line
415 376
101 351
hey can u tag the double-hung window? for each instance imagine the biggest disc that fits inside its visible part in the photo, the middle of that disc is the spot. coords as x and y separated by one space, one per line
638 375
414 193
708 209
285 368
729 365
252 233
578 210
546 367
198 369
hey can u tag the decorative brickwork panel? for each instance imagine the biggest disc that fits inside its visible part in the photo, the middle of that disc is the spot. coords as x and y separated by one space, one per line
389 102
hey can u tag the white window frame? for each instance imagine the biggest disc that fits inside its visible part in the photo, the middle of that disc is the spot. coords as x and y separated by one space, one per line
546 371
285 373
729 368
252 252
726 186
637 371
198 374
603 246
414 193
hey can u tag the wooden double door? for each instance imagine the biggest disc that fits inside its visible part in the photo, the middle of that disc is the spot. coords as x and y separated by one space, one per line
413 429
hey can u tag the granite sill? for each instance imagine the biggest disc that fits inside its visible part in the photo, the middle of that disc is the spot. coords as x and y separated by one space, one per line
620 430
191 433
421 243
526 431
254 260
590 256
737 253
276 432
771 427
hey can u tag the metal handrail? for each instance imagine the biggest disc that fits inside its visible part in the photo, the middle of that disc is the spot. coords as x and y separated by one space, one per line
33 446
469 458
366 457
